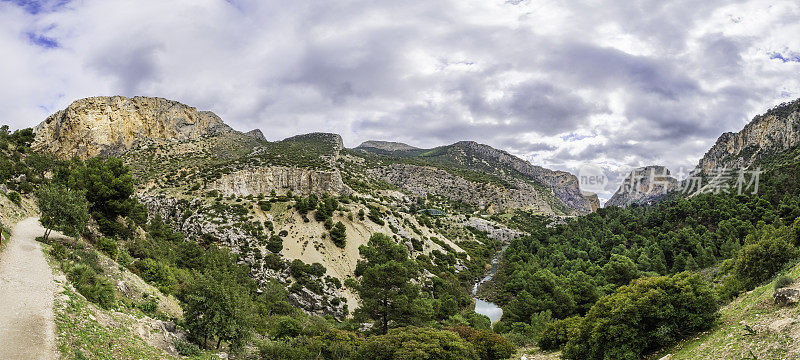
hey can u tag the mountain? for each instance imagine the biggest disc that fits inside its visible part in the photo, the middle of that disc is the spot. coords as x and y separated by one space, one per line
480 175
386 146
272 202
774 131
98 125
644 185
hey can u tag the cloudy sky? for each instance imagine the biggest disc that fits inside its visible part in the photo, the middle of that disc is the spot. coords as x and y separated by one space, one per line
560 83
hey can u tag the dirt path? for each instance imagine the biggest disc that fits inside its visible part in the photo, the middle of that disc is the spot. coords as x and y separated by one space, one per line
27 289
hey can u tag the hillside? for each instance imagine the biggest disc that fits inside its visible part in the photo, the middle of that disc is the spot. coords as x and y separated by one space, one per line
752 326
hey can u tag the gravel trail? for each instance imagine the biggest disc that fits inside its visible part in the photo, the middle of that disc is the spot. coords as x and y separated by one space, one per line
27 290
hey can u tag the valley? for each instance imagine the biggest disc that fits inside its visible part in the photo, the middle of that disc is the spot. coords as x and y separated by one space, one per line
205 241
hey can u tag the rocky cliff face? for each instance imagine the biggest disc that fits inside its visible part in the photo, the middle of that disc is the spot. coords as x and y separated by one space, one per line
281 179
97 125
645 185
424 180
563 184
774 131
386 146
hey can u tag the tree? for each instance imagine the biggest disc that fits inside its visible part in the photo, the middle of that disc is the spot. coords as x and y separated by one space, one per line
643 316
413 343
108 185
487 345
388 296
620 270
338 234
219 309
62 209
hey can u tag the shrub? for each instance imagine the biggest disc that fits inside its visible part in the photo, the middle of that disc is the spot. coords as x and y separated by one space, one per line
108 246
285 327
157 273
149 306
339 235
275 244
556 334
634 320
756 263
488 345
14 197
185 348
783 281
59 251
95 288
416 343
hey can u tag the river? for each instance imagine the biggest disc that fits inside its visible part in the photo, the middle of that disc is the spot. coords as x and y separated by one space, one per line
484 307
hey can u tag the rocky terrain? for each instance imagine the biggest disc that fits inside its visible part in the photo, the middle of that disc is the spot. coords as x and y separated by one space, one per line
237 190
281 179
97 125
776 130
644 185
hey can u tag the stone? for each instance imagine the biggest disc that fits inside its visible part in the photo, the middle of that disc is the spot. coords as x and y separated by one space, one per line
786 296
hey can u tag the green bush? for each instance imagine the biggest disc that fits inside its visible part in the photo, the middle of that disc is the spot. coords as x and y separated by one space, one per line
759 262
285 327
556 334
644 316
14 197
275 244
416 343
92 286
108 246
783 281
488 345
59 251
185 348
339 235
157 273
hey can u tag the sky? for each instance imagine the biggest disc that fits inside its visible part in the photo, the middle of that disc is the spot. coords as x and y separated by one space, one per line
560 83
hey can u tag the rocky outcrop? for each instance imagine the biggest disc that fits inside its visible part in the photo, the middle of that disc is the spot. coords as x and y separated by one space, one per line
645 185
424 180
563 184
281 179
776 130
256 133
99 125
785 296
386 146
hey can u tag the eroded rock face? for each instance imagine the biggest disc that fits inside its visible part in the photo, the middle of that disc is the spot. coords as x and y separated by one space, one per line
786 296
98 125
281 179
423 180
771 132
563 184
645 185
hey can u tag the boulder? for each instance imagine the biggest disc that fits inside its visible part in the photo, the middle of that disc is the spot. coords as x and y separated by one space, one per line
786 296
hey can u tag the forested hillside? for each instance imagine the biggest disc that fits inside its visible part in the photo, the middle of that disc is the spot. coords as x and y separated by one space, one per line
576 285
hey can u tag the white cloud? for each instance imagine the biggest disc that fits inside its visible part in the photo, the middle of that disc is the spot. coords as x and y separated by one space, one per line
635 82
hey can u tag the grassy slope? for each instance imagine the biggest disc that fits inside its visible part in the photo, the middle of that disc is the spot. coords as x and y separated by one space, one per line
777 330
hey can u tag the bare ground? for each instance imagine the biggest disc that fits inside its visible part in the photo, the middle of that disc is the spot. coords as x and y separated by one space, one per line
27 290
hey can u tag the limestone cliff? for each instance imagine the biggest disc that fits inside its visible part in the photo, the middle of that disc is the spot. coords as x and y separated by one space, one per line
97 125
776 130
424 180
645 185
563 184
264 180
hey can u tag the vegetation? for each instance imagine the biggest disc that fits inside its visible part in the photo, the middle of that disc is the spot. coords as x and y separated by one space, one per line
62 209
